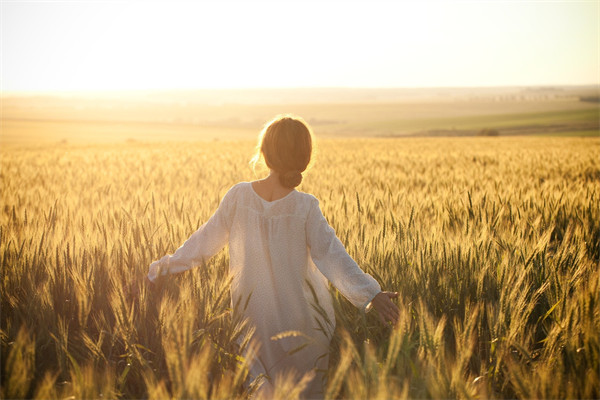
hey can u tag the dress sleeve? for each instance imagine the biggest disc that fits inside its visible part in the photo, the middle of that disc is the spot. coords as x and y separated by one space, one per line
330 257
202 245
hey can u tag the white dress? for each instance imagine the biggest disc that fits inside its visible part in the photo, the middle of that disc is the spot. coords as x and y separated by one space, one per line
282 253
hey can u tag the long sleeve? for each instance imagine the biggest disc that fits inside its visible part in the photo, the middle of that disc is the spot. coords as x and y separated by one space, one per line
202 245
330 257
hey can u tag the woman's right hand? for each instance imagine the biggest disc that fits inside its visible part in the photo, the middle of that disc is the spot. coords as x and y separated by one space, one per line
386 309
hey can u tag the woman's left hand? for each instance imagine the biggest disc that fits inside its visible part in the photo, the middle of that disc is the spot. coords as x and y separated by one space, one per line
387 310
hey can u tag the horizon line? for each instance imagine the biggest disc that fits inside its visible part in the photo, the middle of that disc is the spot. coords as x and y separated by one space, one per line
4 93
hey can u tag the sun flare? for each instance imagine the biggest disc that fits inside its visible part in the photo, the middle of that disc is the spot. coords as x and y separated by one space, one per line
134 45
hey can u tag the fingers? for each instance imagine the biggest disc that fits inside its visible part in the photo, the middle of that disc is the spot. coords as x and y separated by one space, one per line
392 314
387 310
393 308
387 318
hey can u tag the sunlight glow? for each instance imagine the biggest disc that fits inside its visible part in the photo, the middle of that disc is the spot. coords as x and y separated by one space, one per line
138 45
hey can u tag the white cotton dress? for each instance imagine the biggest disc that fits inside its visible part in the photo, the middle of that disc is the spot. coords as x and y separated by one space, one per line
282 254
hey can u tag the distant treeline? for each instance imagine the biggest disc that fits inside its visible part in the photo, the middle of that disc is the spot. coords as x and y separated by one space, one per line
591 99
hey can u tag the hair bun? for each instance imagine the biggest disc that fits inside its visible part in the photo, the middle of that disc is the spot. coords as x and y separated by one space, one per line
290 179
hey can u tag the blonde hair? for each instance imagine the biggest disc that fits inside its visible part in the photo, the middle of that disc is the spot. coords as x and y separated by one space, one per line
285 144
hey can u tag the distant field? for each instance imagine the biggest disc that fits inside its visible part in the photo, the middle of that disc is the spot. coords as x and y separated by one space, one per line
593 133
183 116
516 123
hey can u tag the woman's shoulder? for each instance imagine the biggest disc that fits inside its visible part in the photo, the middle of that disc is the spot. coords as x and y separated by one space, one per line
234 191
307 199
238 187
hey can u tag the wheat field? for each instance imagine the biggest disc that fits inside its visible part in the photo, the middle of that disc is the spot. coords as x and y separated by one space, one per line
492 243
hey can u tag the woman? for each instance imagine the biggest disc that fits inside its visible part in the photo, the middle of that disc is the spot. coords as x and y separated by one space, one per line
282 255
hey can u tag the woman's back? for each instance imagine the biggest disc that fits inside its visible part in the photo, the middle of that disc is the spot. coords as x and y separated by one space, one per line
272 245
272 280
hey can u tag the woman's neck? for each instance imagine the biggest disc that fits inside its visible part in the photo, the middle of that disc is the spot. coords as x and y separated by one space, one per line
270 188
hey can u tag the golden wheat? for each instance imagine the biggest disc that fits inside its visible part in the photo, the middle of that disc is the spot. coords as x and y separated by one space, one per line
492 243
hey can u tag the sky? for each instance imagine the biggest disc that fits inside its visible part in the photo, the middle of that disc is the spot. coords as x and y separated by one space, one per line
138 45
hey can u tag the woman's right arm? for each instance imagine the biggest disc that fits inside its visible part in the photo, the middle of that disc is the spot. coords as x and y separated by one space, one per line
201 246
